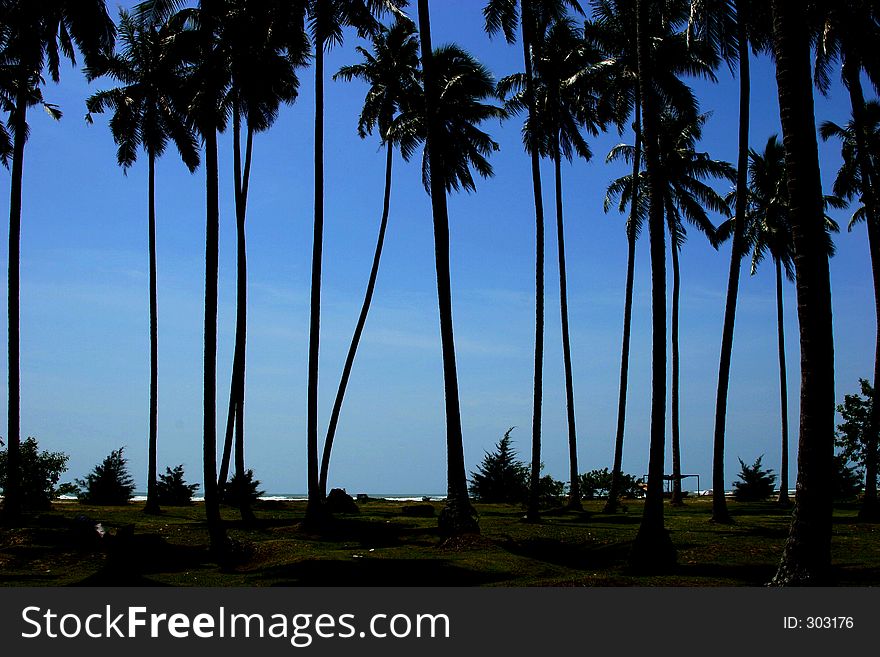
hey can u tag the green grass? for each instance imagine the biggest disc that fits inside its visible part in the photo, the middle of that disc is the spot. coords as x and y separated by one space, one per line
382 547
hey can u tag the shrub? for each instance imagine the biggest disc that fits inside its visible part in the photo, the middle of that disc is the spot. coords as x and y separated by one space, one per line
109 483
756 484
173 489
846 480
40 472
242 490
596 485
501 477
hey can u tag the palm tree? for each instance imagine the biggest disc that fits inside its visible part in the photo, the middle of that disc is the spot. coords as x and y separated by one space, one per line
326 20
392 73
685 198
854 181
730 26
146 115
35 37
454 86
848 32
265 42
502 16
806 558
653 549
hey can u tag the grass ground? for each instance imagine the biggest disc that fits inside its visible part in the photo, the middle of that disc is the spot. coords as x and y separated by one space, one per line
381 546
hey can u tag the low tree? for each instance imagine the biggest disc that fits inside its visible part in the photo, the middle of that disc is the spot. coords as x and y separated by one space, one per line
756 483
501 477
172 488
853 435
40 472
109 484
596 485
846 480
242 489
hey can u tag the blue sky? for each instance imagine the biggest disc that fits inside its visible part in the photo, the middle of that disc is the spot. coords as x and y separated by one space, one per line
85 330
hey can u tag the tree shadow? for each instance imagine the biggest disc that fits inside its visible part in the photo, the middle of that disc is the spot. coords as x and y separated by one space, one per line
579 556
742 574
372 533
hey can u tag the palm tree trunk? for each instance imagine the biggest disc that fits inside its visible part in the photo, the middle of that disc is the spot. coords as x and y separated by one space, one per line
152 505
617 470
870 510
653 549
458 516
12 492
676 377
720 514
783 390
574 499
806 558
359 327
532 513
314 513
209 442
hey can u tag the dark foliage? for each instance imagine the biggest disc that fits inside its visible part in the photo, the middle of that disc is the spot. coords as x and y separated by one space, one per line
500 477
756 483
242 489
853 434
109 483
596 484
173 489
846 480
40 472
338 501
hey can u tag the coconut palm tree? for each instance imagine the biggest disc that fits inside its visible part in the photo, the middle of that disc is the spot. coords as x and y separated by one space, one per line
567 104
454 87
853 181
147 115
327 20
392 71
806 557
264 42
502 16
847 32
731 26
35 37
686 197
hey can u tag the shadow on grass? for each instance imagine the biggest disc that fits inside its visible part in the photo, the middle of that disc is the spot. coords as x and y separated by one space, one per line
740 574
579 556
378 572
372 532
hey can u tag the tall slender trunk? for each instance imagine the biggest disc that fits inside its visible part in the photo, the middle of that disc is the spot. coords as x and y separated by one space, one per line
359 327
314 508
783 390
653 549
676 376
631 234
806 558
152 505
209 440
534 499
870 510
720 513
458 515
12 505
574 499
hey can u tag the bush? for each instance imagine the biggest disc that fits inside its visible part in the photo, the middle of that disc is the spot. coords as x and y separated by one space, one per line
242 490
109 484
756 484
596 485
501 477
40 472
173 489
846 481
551 491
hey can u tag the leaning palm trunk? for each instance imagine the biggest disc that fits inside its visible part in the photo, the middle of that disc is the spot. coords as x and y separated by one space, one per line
574 499
783 390
152 504
870 510
614 493
12 492
676 376
653 549
719 502
806 558
359 328
314 507
458 516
